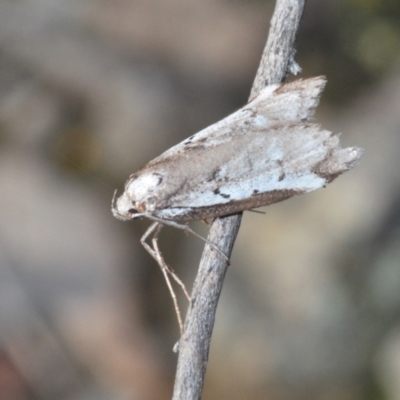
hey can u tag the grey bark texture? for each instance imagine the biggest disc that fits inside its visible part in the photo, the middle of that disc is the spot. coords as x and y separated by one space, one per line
276 63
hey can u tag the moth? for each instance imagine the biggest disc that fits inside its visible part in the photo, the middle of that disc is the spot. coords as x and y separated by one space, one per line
264 153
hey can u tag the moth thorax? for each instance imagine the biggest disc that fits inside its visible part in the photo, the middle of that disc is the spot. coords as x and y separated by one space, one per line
140 187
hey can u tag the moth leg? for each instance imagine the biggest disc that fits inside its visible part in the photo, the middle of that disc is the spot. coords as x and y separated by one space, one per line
211 244
165 270
168 269
188 229
143 239
176 278
207 222
155 252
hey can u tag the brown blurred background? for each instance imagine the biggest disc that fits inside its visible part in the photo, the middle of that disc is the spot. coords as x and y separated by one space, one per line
90 90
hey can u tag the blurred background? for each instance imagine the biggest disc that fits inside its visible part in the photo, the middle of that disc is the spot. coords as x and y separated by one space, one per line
91 90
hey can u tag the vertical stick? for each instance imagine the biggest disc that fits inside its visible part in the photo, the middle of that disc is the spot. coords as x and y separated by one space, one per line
276 63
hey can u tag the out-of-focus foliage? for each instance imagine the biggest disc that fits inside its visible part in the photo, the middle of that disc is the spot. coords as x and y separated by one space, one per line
357 42
371 33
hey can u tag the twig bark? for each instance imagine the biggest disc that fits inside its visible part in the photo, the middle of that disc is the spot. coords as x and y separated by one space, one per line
276 63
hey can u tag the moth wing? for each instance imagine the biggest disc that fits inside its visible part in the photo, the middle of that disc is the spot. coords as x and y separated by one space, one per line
295 101
254 170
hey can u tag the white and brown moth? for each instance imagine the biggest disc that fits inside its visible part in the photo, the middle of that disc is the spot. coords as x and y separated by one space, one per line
263 153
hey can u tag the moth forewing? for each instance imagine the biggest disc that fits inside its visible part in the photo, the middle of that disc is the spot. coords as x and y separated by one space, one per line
264 171
295 101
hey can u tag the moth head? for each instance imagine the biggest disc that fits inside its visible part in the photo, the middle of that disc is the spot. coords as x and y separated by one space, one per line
138 198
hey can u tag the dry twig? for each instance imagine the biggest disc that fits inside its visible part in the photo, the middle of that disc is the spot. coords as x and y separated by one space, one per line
276 63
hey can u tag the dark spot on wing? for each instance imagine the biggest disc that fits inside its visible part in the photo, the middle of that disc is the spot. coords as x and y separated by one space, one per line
234 206
188 140
255 191
225 196
282 176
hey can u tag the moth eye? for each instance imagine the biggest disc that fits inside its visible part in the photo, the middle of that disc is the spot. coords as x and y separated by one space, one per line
132 211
